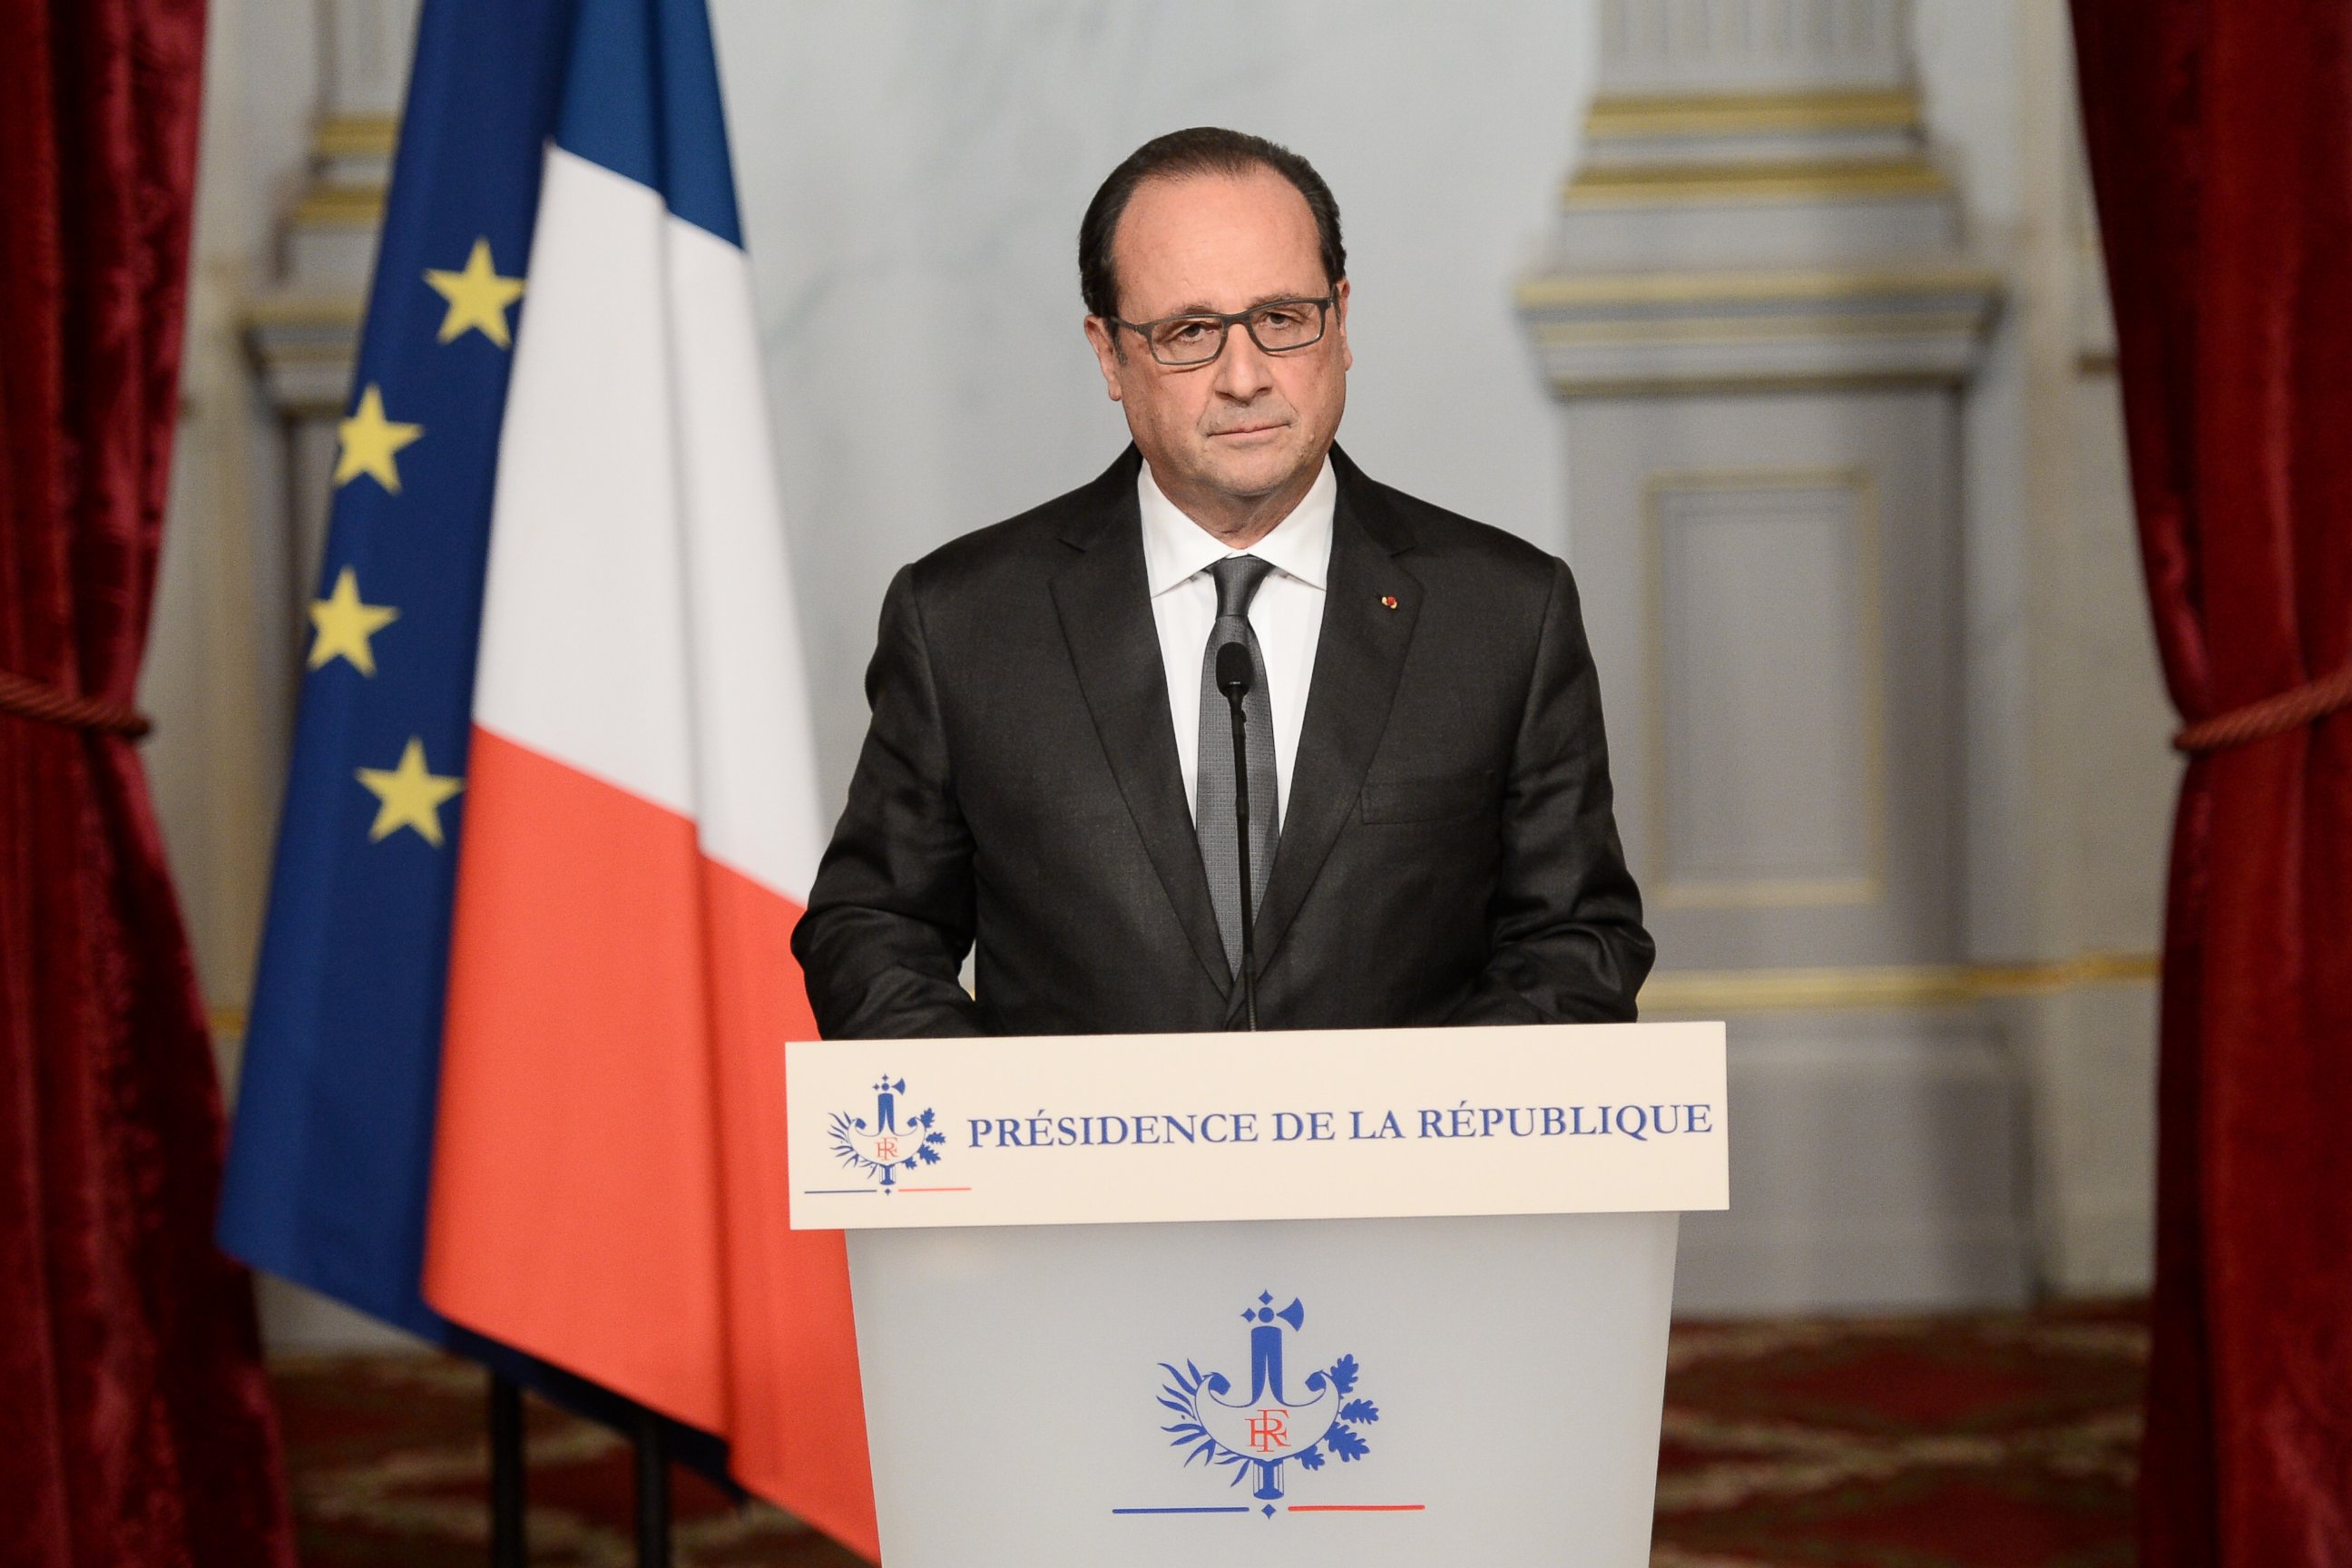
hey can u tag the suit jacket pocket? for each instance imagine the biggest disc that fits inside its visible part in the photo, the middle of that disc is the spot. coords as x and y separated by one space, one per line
1435 799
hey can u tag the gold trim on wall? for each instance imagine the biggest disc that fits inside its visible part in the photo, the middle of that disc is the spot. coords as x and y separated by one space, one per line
1752 114
1717 384
1762 327
1567 290
1770 893
356 136
306 310
1810 179
1705 991
297 352
341 206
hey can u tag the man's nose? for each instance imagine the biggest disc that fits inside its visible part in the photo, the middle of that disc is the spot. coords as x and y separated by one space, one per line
1243 370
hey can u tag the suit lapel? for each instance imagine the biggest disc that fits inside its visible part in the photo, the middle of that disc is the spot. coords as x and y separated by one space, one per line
1358 658
1105 614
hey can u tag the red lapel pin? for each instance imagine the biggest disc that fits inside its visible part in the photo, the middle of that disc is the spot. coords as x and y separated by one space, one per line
1388 600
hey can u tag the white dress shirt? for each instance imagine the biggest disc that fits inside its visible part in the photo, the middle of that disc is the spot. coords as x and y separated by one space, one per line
1287 613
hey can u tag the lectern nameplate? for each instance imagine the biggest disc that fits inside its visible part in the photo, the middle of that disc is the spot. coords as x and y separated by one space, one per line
1310 1124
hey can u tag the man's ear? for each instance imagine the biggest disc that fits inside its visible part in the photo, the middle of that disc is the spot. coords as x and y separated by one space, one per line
1104 339
1347 355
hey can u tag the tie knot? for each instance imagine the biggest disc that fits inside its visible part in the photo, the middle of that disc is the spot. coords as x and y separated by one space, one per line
1237 579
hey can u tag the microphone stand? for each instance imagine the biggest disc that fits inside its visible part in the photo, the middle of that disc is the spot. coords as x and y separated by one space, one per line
1236 673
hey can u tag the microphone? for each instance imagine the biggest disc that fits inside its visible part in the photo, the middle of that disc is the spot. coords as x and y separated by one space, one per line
1235 674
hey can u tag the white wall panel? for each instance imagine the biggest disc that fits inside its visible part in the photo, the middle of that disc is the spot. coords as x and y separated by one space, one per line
913 175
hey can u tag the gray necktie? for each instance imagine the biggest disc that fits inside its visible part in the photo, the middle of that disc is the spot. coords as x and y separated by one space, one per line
1237 578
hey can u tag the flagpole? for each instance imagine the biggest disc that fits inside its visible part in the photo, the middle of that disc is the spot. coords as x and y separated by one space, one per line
508 1549
653 1493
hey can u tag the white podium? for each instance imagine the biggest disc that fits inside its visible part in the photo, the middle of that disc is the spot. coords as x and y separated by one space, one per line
1395 1296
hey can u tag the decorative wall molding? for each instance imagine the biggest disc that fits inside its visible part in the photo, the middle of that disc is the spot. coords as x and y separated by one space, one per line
1778 227
302 334
1757 313
1710 992
368 44
1720 348
1667 182
1741 119
304 348
1817 721
1667 45
1611 334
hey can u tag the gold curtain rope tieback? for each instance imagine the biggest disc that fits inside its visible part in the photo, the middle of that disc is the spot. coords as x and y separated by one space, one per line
2306 704
31 699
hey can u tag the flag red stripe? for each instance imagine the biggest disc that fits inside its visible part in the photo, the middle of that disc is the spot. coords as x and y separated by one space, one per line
574 1206
793 1337
609 1186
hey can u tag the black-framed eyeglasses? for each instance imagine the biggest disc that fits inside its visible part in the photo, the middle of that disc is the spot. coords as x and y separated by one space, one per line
1277 327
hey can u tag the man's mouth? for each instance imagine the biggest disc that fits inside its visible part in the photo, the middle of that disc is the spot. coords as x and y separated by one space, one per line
1248 430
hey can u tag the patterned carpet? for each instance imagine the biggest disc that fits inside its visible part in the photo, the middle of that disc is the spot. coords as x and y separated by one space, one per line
1979 1442
1988 1442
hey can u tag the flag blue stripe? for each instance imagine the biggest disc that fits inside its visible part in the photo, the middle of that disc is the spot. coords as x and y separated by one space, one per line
663 126
330 1157
332 1146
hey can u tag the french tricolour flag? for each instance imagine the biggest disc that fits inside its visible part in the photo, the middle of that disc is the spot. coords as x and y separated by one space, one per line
642 822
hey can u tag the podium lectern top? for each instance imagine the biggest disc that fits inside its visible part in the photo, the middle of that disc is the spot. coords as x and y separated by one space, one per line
1409 1331
1407 1393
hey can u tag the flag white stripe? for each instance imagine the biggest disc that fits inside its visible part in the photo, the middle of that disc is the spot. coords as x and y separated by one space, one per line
639 622
583 641
760 813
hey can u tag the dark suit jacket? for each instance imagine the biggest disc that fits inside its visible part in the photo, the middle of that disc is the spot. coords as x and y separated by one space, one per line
1448 854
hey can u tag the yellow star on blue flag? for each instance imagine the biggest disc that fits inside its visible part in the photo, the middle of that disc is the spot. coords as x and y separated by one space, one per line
369 441
478 298
408 796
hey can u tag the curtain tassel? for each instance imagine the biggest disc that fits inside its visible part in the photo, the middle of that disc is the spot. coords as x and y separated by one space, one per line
2306 704
31 699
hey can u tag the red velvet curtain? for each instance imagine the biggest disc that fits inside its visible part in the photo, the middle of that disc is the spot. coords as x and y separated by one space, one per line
135 1427
2221 143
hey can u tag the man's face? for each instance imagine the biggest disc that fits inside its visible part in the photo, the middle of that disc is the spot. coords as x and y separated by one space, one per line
1249 423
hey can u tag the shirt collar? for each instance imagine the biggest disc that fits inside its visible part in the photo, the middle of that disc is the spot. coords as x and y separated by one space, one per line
1176 548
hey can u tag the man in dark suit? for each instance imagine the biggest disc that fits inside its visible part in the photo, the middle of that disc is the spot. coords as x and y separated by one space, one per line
1050 771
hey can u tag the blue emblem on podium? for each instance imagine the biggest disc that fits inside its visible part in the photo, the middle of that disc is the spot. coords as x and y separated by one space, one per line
1257 1428
893 1140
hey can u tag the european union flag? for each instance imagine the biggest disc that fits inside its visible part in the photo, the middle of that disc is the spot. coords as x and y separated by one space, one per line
332 1151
